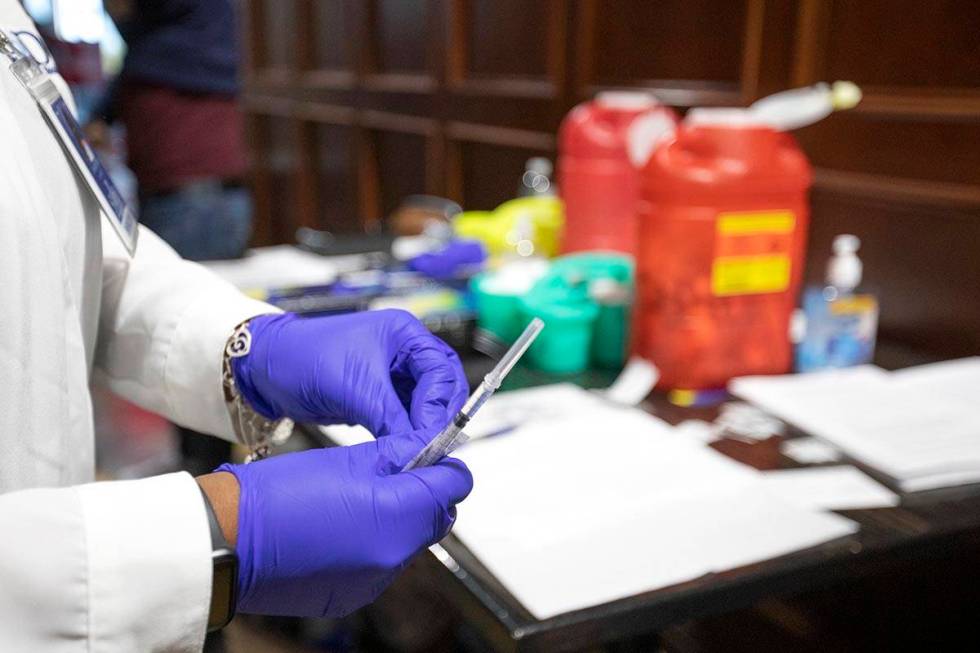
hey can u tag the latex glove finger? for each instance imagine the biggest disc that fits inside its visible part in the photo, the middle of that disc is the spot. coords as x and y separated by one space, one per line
392 416
398 449
440 385
449 481
442 485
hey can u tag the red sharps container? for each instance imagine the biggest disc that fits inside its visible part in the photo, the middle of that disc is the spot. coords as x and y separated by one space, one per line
597 182
722 234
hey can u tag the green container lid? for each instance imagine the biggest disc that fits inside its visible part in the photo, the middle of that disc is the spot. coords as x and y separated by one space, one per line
596 265
499 313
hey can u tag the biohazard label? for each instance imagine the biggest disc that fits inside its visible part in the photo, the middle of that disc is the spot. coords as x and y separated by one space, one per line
753 252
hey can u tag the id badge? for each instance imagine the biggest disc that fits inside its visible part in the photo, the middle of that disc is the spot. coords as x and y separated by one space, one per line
61 121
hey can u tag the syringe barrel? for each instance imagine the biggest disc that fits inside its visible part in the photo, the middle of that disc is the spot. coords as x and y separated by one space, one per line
438 447
477 399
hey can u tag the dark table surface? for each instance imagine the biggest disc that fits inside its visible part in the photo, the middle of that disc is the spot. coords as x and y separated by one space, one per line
925 525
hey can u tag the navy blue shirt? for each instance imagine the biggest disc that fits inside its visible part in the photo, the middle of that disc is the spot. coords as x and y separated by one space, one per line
187 45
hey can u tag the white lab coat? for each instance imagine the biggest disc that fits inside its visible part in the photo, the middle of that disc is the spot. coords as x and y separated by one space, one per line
95 567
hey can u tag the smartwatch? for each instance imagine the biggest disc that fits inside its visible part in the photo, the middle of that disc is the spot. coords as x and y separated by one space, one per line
224 575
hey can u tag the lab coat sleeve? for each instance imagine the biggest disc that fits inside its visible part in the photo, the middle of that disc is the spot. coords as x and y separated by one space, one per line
163 326
108 567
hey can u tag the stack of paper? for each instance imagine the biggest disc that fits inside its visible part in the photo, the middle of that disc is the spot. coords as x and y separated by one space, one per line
920 426
578 502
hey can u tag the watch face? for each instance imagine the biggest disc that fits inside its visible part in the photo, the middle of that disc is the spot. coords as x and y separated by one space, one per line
224 588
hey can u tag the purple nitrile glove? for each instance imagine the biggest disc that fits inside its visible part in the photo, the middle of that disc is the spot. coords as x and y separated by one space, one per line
445 263
381 369
324 532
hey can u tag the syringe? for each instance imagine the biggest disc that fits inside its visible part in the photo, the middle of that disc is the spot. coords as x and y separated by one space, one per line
452 436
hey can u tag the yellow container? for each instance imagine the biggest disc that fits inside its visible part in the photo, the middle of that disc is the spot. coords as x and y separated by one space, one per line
526 226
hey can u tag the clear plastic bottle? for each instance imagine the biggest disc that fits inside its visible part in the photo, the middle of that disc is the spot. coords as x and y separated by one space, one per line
536 180
841 320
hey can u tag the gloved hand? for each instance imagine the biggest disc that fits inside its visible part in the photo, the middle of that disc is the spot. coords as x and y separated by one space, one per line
323 532
381 369
455 256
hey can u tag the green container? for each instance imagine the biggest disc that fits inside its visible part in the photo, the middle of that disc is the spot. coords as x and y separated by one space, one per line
611 336
497 313
605 279
563 347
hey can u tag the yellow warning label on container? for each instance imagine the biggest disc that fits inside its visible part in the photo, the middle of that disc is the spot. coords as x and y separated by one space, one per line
747 275
744 223
853 305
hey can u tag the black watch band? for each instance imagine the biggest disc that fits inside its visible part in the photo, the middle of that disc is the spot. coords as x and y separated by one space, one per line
224 575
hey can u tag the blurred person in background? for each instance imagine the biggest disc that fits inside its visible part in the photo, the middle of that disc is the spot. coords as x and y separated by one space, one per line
177 97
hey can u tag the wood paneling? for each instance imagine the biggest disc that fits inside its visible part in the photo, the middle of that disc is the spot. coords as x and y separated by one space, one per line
335 203
896 146
279 23
506 38
904 43
332 50
353 104
401 164
398 35
679 40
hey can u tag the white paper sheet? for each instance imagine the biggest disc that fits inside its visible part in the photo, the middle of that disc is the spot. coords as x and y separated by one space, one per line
956 379
280 266
345 436
601 502
506 411
829 488
659 545
920 426
810 451
634 383
697 430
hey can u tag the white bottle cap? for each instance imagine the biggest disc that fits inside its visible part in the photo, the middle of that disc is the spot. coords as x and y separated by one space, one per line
645 135
539 165
845 269
627 100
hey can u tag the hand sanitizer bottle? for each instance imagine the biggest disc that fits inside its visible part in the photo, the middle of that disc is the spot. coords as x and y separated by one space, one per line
841 322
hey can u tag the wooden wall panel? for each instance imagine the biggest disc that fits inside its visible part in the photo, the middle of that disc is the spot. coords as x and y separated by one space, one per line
401 167
335 202
353 104
698 40
896 146
506 38
282 166
905 43
279 26
332 49
398 35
